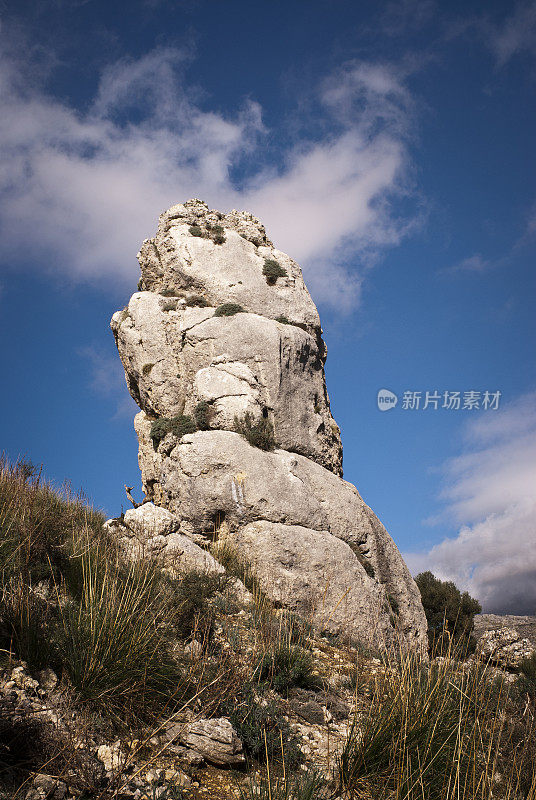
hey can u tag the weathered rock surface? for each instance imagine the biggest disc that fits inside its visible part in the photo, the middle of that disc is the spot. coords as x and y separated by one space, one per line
524 625
315 544
176 261
180 356
150 530
215 740
504 648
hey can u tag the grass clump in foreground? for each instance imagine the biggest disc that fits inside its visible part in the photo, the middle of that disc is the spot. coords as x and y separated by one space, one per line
69 600
437 733
259 433
308 785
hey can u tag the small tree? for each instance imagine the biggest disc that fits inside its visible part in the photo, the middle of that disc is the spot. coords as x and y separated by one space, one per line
447 611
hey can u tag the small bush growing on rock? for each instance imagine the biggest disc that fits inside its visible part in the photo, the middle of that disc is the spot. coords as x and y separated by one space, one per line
283 320
217 234
202 414
179 426
169 293
196 300
192 594
285 666
228 310
273 270
195 230
449 612
259 434
261 725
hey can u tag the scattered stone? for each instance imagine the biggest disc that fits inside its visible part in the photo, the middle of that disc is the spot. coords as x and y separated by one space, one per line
48 680
111 756
214 739
45 787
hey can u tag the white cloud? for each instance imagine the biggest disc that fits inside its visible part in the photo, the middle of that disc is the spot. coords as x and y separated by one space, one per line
490 493
81 189
517 34
475 263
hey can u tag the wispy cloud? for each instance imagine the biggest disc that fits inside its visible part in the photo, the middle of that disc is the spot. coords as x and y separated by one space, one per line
399 18
107 379
489 492
516 35
81 190
475 263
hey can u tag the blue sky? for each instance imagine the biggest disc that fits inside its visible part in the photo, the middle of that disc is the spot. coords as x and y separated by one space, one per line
388 147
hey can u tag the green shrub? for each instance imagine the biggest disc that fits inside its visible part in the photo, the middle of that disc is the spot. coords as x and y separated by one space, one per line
273 270
202 414
285 666
449 613
195 230
261 726
179 426
259 434
308 785
228 310
393 602
196 300
283 320
169 293
217 234
191 597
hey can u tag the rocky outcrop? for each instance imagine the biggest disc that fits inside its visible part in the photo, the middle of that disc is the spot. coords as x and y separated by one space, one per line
222 339
152 531
504 648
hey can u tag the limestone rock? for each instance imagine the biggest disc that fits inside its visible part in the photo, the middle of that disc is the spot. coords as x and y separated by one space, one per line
209 476
504 647
318 576
176 261
149 520
153 531
215 740
313 541
175 359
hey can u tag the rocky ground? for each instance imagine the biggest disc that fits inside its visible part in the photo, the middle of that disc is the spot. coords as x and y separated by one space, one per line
187 755
524 625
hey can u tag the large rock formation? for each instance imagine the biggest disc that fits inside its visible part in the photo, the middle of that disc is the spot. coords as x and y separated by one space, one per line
223 335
